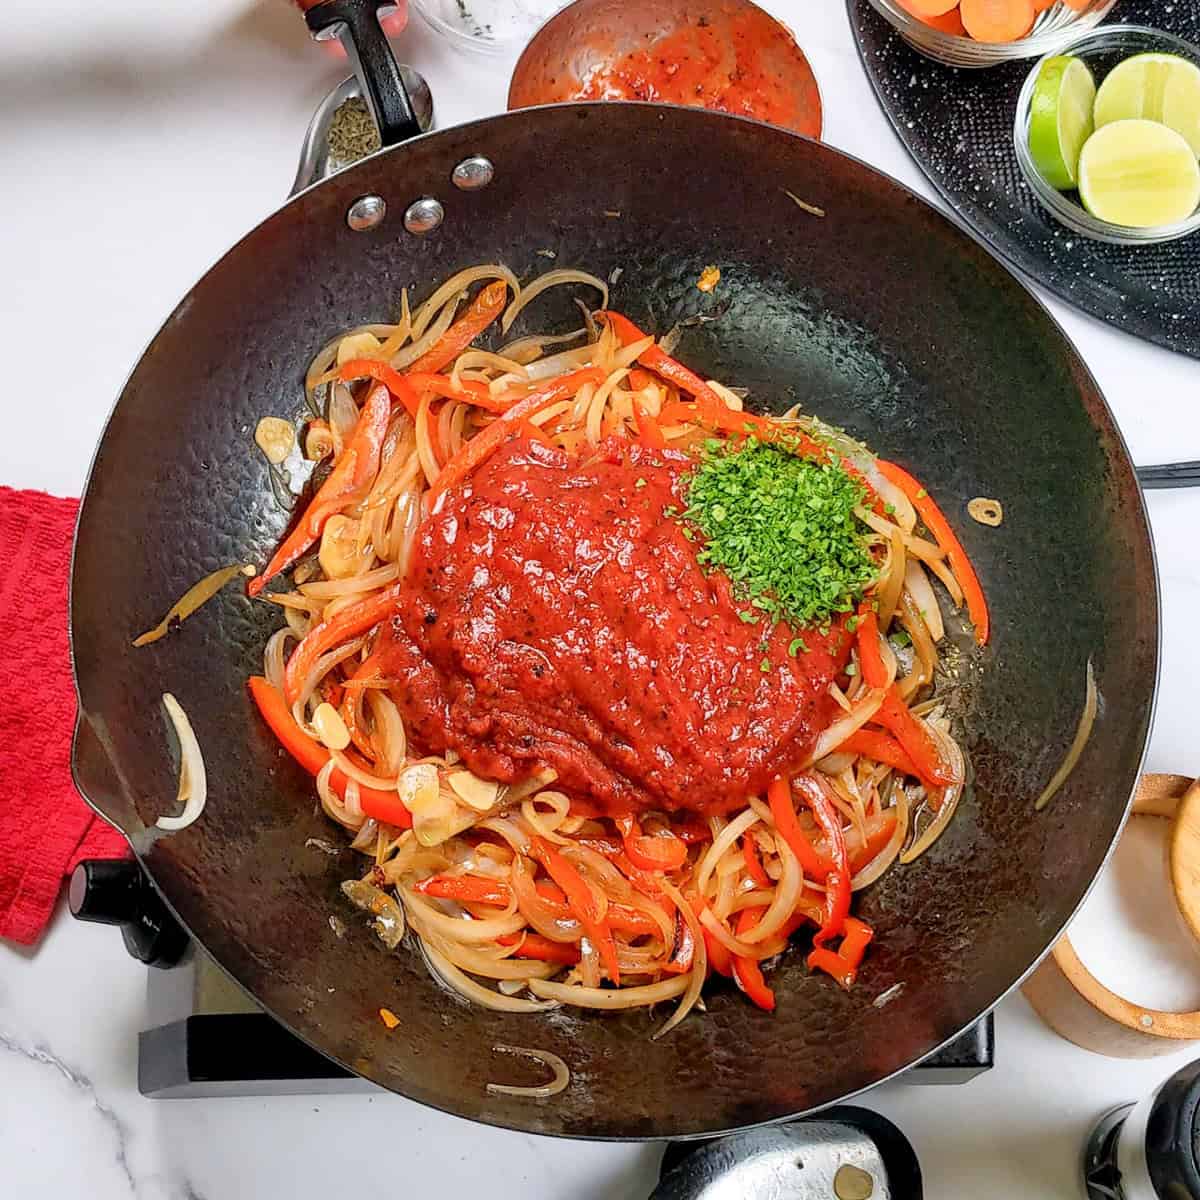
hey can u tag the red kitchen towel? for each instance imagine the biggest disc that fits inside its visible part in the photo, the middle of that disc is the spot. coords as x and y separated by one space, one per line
45 828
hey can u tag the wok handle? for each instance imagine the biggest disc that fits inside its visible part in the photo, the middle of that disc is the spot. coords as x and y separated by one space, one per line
1170 475
355 23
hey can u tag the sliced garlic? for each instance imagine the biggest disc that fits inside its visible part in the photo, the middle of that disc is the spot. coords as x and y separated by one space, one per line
418 787
357 345
318 441
275 438
480 794
339 554
330 727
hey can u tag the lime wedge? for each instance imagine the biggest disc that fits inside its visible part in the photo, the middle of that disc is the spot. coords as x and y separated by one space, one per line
1139 174
1153 87
1060 119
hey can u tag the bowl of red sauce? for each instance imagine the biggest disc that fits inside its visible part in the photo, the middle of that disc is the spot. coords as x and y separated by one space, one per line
725 55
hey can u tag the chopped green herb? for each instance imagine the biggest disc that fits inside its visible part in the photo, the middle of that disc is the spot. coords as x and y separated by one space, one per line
852 669
889 509
639 483
921 493
901 638
852 624
747 616
765 665
797 644
782 528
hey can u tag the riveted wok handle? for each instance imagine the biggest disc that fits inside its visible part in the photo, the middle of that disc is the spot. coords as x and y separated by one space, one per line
355 23
1170 475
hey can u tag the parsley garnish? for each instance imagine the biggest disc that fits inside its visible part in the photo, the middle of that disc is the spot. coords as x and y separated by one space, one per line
797 644
852 669
782 528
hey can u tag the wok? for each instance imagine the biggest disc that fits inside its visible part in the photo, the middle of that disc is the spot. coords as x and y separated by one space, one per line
884 317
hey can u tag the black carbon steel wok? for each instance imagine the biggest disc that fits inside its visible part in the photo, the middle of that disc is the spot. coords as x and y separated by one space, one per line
883 317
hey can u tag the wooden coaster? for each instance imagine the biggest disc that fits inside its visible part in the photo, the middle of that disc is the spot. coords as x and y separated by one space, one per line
1074 1003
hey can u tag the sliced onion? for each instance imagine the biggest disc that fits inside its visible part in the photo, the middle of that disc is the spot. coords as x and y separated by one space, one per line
458 981
478 962
726 838
516 837
863 710
953 756
562 1076
193 781
549 280
526 349
197 595
456 284
917 583
332 803
331 589
1091 702
720 931
546 825
699 969
425 917
787 892
274 656
389 735
538 911
888 855
610 999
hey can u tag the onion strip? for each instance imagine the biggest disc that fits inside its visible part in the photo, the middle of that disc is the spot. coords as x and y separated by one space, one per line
193 781
562 1076
1091 702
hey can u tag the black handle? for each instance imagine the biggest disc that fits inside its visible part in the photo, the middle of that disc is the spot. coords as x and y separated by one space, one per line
355 23
1170 475
118 893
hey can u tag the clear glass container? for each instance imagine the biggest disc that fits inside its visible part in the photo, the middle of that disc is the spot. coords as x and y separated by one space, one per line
487 26
1051 31
1102 50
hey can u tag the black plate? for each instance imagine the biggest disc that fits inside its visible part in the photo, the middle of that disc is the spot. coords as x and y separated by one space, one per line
958 123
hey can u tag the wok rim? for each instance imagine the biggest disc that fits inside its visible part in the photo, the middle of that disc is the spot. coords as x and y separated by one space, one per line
957 225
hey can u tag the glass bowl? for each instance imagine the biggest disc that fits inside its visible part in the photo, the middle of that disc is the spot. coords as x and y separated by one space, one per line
1102 50
487 26
1051 31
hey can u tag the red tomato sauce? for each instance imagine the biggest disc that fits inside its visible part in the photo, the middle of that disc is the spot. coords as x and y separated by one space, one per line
735 66
553 616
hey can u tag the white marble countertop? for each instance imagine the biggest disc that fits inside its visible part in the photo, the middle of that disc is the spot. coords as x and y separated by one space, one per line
139 141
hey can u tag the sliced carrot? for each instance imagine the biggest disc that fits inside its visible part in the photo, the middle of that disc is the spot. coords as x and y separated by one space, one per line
928 8
997 20
948 22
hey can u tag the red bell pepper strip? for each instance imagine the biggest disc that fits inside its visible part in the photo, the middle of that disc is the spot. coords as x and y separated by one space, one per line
466 889
691 831
662 364
661 851
882 747
894 716
649 433
488 440
945 537
347 623
685 947
875 842
381 372
779 796
312 756
844 962
583 904
531 431
754 865
357 466
533 945
746 971
869 655
482 311
837 882
624 918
